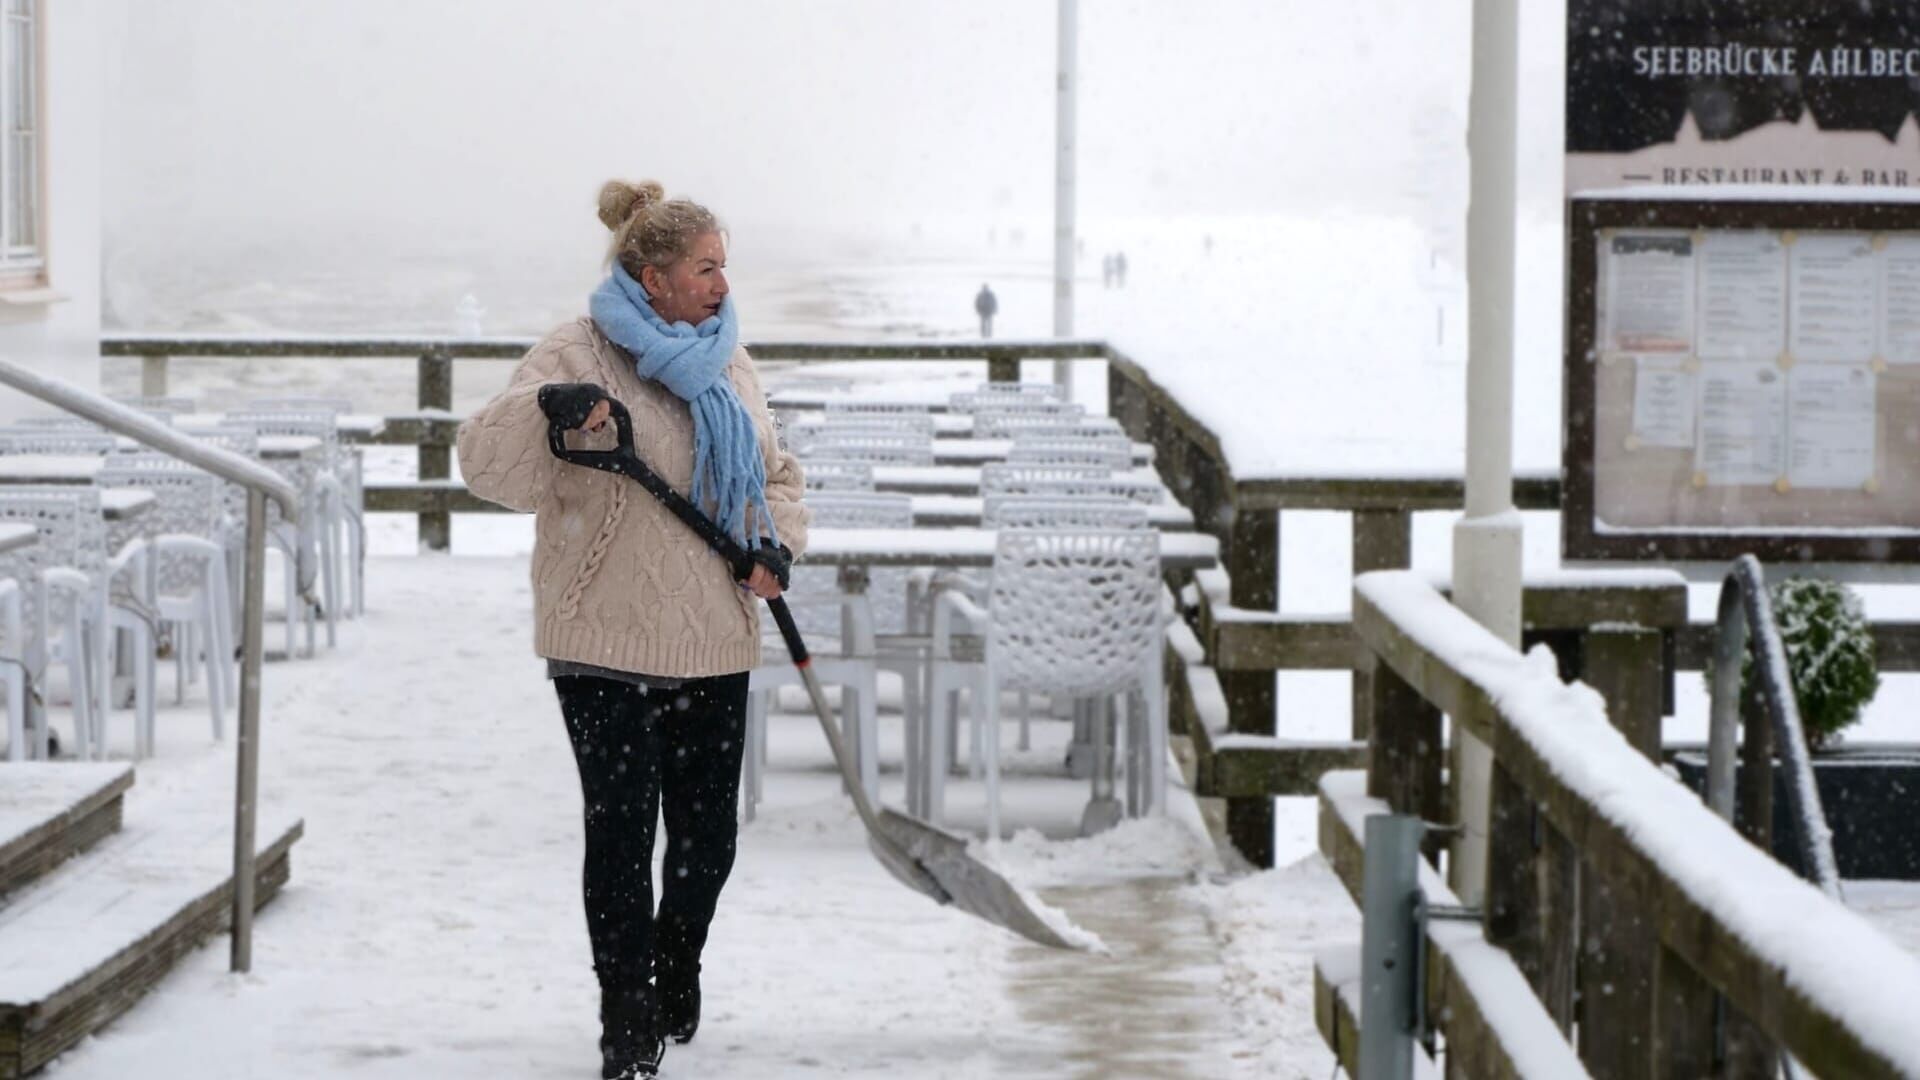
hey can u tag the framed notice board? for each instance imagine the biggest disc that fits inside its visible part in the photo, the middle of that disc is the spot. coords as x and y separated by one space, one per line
1742 377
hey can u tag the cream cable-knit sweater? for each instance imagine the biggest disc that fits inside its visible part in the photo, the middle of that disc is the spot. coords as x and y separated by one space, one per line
618 581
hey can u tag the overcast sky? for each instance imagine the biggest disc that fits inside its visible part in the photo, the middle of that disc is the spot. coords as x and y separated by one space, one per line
494 119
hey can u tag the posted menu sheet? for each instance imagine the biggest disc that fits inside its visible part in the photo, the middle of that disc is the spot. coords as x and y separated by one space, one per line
1900 300
1830 425
1832 291
1663 402
1743 296
1649 293
1742 423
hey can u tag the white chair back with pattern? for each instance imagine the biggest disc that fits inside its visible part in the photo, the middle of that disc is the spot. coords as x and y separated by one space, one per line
1106 452
1074 612
56 441
826 474
876 447
816 589
994 424
1026 404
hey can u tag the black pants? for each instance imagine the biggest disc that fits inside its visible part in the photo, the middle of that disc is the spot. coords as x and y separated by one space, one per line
641 751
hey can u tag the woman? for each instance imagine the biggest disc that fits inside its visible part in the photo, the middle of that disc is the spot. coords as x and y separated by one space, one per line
647 637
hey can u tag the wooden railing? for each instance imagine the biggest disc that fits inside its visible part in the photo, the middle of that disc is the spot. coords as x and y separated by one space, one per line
1239 637
435 496
1613 894
1243 640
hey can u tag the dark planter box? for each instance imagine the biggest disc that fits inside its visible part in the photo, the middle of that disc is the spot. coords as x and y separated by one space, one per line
1871 796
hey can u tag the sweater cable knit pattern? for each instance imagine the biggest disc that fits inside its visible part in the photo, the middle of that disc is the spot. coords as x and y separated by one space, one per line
618 581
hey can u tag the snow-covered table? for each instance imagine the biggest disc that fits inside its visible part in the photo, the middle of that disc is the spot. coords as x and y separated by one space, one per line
977 451
966 547
272 447
964 511
116 504
16 535
955 479
353 427
815 400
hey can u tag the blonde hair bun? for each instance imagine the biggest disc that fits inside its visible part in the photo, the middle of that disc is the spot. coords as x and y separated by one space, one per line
620 200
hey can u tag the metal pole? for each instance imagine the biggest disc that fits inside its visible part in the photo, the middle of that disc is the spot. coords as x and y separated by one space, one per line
1729 642
1063 184
1486 542
1389 947
247 785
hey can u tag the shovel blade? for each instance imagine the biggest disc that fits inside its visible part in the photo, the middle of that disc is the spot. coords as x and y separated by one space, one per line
969 884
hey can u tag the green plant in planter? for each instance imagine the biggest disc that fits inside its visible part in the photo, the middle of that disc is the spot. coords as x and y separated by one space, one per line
1830 654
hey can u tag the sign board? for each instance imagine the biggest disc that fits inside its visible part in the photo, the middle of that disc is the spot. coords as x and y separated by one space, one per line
1742 369
1765 94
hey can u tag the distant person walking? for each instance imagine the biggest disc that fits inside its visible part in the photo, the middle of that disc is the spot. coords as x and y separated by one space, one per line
986 305
1106 271
1120 269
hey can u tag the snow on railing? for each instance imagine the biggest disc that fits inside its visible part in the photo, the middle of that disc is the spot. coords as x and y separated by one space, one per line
1818 978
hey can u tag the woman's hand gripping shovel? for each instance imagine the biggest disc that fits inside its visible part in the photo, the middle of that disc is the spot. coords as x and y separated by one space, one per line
927 859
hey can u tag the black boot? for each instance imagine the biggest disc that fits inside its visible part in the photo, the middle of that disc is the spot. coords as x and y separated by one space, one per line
629 1045
676 987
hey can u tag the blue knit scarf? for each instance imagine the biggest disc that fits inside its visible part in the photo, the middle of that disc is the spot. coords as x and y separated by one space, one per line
729 476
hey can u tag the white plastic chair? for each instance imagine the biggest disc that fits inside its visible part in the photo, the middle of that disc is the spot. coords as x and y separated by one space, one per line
338 528
56 440
1017 512
874 447
1110 453
348 473
85 597
306 545
189 572
803 436
828 616
13 666
875 408
1072 612
1030 404
832 474
998 424
1043 390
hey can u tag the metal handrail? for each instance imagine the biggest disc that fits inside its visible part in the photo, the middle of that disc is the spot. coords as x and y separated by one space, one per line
1744 605
261 484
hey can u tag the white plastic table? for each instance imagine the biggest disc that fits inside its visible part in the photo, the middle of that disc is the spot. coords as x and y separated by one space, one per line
964 511
16 535
955 479
956 548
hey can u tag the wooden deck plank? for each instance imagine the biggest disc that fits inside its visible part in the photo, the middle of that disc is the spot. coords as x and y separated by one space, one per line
103 981
51 811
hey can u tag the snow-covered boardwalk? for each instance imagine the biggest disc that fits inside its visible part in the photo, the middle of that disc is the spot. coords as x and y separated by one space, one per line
433 925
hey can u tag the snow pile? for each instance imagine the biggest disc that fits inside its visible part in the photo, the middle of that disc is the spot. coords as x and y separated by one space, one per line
1269 925
1136 848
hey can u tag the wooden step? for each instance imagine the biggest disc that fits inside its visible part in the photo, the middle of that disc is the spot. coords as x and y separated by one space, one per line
52 811
84 944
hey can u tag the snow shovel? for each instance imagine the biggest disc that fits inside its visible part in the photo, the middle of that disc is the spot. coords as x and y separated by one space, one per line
921 856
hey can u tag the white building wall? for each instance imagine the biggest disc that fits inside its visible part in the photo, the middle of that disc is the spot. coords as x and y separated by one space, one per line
63 338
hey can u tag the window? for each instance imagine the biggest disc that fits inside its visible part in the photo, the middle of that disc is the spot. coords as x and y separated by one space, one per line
22 254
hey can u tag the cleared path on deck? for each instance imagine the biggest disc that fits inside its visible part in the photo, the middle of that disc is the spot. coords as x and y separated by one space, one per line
433 928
